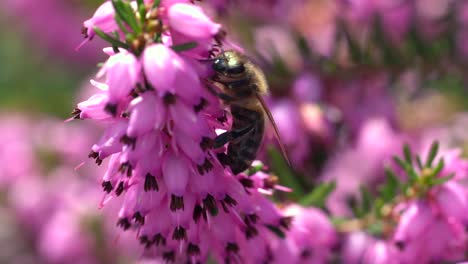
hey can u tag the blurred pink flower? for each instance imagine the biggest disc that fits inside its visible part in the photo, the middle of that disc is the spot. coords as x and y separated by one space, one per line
310 239
361 164
59 40
57 225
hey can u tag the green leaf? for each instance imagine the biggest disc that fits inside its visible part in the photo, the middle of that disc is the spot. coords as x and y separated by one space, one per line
390 54
419 162
125 12
432 154
184 46
389 190
408 154
354 49
375 229
366 199
142 12
318 195
442 180
113 41
122 27
156 3
254 169
438 168
285 174
354 206
411 173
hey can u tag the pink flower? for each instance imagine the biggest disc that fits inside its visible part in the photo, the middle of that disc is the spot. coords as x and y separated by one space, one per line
355 246
381 252
191 21
103 19
123 71
310 239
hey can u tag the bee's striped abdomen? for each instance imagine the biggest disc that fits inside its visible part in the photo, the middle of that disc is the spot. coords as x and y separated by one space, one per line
243 151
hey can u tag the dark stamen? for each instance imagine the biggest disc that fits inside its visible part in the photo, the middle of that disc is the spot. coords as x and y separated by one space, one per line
146 242
126 168
107 186
111 109
225 208
197 213
95 155
125 114
229 200
286 222
400 245
206 143
179 233
139 218
177 202
200 169
150 183
306 253
169 256
193 250
232 247
130 141
251 232
84 32
159 240
210 203
203 103
169 99
246 182
120 189
250 219
207 166
276 230
76 113
124 223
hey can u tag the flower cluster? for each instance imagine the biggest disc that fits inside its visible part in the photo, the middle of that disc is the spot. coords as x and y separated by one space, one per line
48 225
160 124
420 219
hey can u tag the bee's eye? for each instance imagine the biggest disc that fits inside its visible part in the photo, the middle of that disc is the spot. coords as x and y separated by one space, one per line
219 65
236 69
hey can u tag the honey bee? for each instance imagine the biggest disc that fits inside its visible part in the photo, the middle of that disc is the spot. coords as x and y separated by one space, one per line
242 85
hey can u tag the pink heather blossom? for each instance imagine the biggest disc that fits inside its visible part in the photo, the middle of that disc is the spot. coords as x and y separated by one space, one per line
292 130
175 194
59 40
310 238
122 71
191 21
376 144
58 227
439 219
381 252
355 246
103 19
274 42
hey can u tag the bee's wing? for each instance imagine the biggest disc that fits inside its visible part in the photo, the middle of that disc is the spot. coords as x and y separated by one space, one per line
276 132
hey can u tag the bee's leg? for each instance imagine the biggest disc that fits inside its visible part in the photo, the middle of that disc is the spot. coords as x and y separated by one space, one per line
222 96
231 135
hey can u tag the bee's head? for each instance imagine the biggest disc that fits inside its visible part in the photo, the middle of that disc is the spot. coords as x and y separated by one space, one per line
228 62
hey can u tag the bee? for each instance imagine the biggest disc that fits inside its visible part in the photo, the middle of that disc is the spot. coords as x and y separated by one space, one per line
241 84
